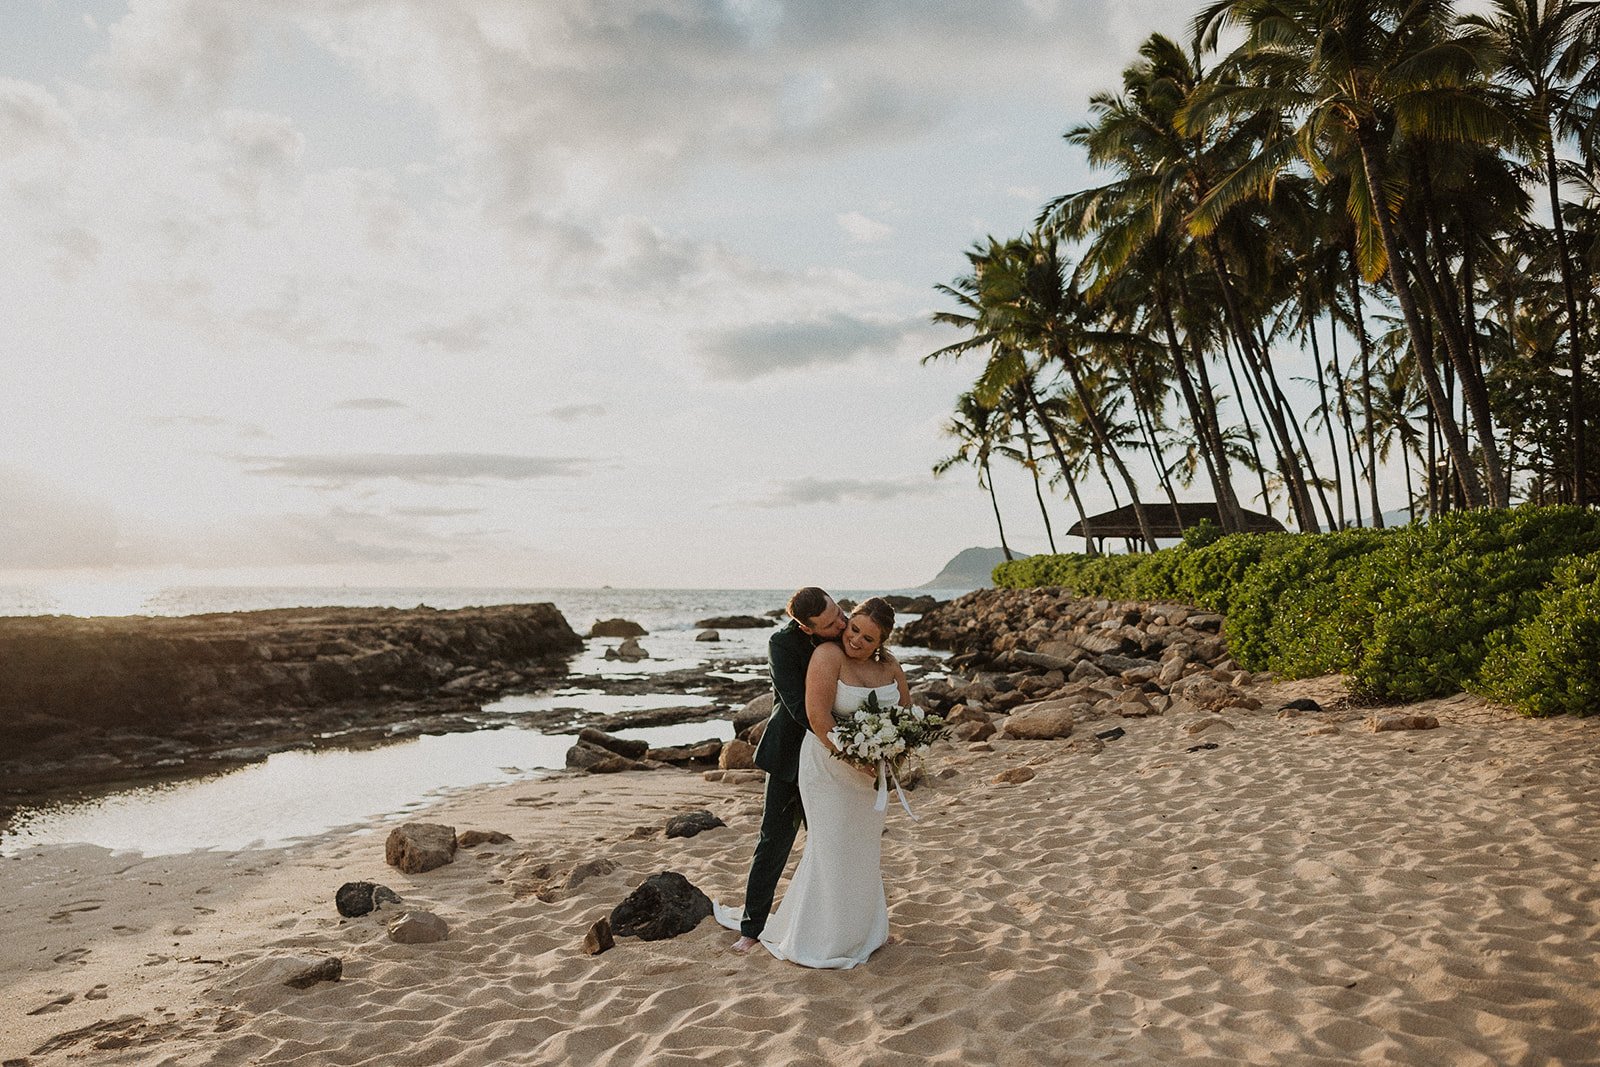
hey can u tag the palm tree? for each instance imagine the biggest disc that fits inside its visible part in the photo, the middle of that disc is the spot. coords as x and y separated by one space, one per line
1352 78
1397 408
1137 249
1535 41
1007 364
976 426
1031 297
1019 411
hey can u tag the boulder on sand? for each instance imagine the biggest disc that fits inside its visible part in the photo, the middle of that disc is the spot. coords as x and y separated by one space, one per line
628 748
355 899
415 847
665 905
1047 720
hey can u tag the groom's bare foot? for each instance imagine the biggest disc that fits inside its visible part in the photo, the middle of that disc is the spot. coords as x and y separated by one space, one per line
744 944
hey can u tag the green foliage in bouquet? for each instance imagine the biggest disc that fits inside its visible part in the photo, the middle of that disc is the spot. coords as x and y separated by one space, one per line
1550 663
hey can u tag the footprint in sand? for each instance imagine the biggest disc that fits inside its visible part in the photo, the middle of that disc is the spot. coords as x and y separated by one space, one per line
53 1005
77 955
97 993
65 914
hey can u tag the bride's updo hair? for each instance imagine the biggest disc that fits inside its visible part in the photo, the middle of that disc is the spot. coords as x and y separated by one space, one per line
878 610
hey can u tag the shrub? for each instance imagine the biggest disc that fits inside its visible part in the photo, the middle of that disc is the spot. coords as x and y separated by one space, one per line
1291 612
1408 613
1082 575
1550 663
1434 594
1208 575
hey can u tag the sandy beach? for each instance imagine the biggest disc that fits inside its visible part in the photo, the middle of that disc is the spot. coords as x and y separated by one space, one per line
1417 897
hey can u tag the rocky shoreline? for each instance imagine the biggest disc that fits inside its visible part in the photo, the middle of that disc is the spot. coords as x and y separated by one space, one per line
90 702
86 701
1033 663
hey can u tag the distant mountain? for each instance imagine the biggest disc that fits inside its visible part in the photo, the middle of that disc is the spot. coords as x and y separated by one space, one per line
971 568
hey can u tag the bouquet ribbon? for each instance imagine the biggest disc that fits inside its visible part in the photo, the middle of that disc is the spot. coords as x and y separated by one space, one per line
885 772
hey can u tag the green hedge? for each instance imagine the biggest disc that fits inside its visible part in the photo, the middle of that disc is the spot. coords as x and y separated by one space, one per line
1406 613
1550 663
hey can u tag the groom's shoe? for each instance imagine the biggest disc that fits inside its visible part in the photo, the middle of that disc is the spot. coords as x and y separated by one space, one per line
744 944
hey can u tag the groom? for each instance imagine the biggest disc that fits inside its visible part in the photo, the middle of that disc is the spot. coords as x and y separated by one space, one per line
813 618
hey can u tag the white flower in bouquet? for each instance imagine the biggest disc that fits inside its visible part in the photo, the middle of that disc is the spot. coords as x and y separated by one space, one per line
887 733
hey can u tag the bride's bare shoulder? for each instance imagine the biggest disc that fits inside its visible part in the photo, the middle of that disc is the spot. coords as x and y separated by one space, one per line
828 652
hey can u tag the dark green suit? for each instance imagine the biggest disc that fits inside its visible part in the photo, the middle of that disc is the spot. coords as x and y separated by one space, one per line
788 655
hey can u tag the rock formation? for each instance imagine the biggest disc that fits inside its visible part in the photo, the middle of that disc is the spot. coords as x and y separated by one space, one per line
99 699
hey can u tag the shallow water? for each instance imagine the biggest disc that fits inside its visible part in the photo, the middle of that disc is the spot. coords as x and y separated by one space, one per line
294 795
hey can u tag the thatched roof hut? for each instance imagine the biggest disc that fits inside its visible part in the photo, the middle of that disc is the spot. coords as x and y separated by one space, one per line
1121 522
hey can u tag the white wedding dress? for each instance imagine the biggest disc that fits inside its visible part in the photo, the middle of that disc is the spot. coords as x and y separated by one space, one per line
834 913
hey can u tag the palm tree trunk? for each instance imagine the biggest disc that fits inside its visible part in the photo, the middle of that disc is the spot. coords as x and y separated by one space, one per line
1353 448
1327 424
1580 465
1203 416
1366 142
1089 548
1249 430
989 484
1411 494
1091 415
1288 463
1365 344
1447 319
1147 431
1038 493
1312 479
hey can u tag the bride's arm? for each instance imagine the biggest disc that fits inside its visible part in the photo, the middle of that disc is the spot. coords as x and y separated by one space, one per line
822 684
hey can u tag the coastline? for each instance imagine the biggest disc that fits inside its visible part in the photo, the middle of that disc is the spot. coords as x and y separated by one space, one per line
1228 877
1405 897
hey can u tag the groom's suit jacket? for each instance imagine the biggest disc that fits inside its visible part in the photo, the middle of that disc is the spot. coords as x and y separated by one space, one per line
788 655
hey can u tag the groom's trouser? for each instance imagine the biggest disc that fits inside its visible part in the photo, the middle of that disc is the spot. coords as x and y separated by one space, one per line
780 821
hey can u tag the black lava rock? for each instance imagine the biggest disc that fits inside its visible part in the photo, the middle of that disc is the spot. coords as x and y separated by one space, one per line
359 898
664 906
692 823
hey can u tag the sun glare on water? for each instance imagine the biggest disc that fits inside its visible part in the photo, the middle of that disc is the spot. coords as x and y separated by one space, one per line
91 599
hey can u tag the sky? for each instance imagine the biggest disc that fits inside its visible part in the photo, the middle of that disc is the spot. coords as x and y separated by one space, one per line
513 292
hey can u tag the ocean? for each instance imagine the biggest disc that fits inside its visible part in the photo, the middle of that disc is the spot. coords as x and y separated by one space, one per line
294 795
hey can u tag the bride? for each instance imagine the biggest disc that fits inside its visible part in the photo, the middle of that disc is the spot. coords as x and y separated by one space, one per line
834 913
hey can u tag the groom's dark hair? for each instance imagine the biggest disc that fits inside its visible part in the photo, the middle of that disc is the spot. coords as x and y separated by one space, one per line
807 604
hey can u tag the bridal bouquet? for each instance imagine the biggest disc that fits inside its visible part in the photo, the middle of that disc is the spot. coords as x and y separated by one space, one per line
887 737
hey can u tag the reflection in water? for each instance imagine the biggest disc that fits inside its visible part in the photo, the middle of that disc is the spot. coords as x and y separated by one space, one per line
592 702
294 795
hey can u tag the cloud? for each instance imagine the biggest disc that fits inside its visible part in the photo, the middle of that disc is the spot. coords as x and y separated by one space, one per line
369 403
747 352
170 51
806 492
31 118
571 412
434 468
861 229
45 526
434 513
470 333
186 420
